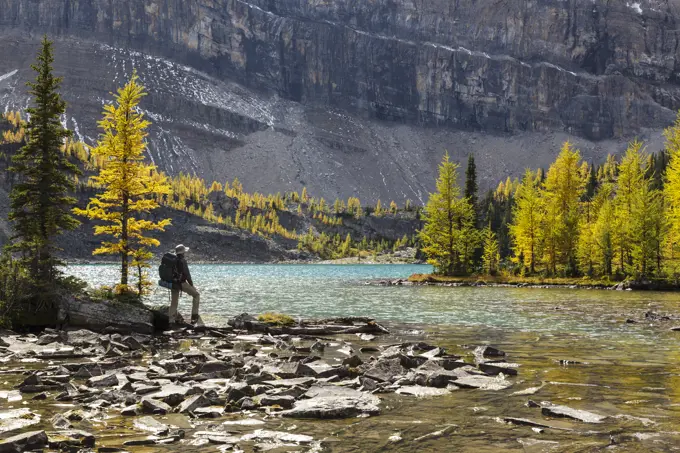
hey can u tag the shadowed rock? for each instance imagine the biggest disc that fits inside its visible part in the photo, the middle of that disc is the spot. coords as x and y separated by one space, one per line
32 440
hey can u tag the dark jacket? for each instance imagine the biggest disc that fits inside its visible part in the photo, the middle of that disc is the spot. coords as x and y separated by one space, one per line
183 271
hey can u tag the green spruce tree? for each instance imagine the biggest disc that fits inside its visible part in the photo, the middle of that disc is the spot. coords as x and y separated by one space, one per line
40 207
449 236
471 187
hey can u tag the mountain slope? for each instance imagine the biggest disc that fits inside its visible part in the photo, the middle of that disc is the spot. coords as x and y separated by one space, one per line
359 97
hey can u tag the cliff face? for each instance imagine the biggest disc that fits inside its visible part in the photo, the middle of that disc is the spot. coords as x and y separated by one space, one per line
317 77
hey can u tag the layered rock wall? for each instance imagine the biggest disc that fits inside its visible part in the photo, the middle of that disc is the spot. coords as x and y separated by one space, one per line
598 68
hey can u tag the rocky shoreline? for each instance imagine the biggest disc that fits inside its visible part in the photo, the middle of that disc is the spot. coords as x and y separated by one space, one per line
222 388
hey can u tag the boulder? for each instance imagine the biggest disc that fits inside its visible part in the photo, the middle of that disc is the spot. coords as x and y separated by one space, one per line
33 440
106 380
215 366
82 337
102 314
236 392
385 370
284 401
132 343
153 406
440 379
192 403
488 351
49 338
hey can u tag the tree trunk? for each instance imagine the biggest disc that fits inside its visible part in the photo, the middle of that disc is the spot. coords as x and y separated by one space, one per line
124 239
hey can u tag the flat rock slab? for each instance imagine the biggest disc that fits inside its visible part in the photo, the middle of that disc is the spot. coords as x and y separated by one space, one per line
482 382
420 391
553 410
14 419
332 390
334 402
150 424
171 394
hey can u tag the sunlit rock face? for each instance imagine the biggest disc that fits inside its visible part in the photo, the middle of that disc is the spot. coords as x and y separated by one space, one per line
358 96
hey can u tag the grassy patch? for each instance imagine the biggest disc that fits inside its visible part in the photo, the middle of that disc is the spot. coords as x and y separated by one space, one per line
276 319
118 293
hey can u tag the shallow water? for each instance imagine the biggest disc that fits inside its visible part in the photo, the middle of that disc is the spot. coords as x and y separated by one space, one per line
628 372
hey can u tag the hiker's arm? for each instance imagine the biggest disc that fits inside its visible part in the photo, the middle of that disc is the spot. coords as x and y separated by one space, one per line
188 274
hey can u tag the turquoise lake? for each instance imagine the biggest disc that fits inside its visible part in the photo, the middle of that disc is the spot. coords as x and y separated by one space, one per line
573 347
343 290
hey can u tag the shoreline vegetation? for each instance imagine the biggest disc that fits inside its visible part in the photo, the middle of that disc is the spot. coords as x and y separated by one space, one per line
532 282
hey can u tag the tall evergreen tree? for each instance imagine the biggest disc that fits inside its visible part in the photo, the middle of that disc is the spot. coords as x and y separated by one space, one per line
40 202
130 187
491 254
471 187
449 236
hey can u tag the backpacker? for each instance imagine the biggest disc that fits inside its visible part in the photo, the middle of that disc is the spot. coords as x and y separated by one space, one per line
168 271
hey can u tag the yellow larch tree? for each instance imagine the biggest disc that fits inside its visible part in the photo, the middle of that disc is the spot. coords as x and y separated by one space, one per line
130 187
672 202
564 185
528 215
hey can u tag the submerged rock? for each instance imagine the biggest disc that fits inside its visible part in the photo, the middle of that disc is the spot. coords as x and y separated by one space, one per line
68 439
488 351
483 382
523 422
553 410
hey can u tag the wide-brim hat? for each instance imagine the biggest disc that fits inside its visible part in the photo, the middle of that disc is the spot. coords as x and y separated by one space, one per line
181 249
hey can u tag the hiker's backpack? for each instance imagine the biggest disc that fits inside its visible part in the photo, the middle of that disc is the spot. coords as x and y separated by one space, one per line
168 271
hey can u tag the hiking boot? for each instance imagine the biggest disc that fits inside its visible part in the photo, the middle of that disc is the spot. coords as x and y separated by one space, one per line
194 319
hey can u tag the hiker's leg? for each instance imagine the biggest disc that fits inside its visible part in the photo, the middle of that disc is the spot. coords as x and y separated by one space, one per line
190 290
172 312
